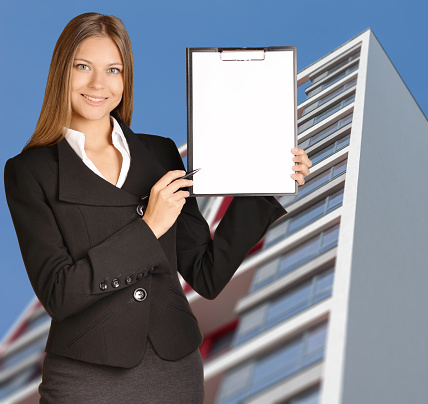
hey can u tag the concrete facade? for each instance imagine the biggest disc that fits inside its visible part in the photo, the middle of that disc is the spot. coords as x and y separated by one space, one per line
379 304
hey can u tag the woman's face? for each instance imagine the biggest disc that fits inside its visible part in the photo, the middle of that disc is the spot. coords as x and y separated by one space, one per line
96 81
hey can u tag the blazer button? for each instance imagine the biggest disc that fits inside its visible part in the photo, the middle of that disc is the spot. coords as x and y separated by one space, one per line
128 280
140 294
103 286
140 210
139 276
115 283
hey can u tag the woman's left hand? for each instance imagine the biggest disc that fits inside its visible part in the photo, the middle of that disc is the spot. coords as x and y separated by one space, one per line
302 165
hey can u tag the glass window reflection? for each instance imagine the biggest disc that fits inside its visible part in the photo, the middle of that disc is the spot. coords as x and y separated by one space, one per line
326 132
325 114
267 370
315 183
296 257
315 212
285 306
336 67
329 96
330 149
308 397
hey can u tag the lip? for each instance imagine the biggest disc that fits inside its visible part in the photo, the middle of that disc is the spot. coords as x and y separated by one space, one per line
96 100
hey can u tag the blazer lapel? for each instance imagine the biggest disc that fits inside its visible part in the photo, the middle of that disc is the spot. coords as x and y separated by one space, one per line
146 167
79 184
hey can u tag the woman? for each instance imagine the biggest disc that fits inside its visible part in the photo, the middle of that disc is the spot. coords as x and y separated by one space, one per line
122 330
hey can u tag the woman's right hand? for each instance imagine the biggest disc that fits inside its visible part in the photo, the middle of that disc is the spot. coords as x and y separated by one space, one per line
166 202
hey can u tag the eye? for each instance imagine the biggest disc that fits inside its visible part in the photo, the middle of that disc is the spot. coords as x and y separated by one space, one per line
81 66
113 70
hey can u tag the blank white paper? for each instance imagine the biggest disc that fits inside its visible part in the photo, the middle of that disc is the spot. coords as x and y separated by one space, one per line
243 124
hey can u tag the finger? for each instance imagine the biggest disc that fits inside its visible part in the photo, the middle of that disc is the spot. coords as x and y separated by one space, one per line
300 156
302 160
297 151
306 161
302 168
299 178
168 178
179 195
177 184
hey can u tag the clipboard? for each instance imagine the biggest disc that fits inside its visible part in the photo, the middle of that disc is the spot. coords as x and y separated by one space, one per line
241 120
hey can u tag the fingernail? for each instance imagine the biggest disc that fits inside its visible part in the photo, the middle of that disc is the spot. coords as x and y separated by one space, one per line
295 150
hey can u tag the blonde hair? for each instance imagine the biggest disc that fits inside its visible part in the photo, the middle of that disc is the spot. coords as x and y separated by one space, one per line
56 109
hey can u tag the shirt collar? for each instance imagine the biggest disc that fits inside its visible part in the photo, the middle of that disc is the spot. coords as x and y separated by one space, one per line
76 139
118 135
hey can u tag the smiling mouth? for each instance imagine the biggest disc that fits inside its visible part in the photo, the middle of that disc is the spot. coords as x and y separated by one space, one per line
93 99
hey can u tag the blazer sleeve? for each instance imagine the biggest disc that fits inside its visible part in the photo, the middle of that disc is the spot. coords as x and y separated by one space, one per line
208 264
63 286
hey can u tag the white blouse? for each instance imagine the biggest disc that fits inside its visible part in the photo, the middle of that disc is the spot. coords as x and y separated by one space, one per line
77 141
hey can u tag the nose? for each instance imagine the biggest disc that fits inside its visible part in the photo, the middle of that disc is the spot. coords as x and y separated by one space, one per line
97 80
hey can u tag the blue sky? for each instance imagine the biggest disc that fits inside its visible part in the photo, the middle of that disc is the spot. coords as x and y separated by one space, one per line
160 31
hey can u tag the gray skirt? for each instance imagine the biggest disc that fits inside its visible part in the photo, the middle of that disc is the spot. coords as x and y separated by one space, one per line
153 381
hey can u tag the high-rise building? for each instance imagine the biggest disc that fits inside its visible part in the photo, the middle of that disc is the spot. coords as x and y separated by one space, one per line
330 307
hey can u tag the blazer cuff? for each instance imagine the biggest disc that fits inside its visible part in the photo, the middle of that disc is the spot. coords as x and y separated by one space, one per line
128 255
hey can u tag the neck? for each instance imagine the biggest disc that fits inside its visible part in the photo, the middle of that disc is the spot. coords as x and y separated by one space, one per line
97 133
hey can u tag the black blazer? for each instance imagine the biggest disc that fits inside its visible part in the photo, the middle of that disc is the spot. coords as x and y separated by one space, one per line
87 252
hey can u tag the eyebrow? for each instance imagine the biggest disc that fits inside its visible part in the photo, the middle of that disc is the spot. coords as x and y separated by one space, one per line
89 62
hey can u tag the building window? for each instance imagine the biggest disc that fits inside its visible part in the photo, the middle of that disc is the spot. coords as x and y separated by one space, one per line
314 212
36 346
19 381
325 114
308 397
336 67
256 375
334 108
325 132
304 218
329 96
330 149
316 182
285 306
296 257
333 80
